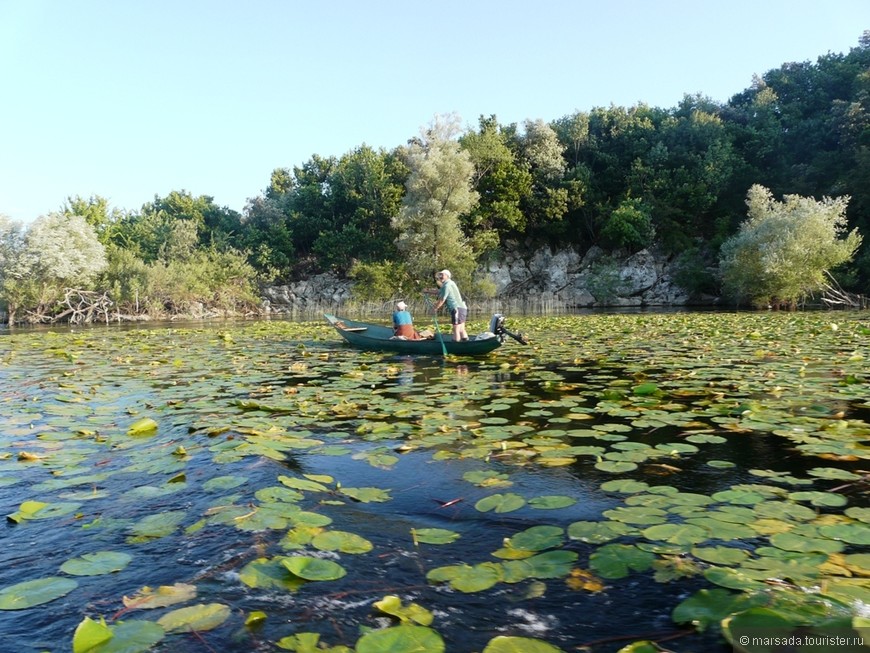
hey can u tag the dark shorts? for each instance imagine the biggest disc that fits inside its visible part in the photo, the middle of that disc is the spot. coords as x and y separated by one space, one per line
458 315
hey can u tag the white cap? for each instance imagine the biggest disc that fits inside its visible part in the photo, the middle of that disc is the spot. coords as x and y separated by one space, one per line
444 274
401 306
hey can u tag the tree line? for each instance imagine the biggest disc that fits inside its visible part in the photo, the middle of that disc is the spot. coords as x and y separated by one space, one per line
699 180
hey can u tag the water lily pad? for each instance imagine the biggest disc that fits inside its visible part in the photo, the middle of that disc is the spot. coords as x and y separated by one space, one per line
615 561
197 618
858 533
97 563
505 644
35 592
468 578
615 466
124 637
341 541
720 555
593 532
500 503
406 638
537 538
409 613
791 541
314 569
680 534
161 597
820 499
434 535
551 564
551 502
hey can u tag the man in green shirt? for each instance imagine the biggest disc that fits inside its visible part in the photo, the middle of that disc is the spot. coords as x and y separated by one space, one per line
448 293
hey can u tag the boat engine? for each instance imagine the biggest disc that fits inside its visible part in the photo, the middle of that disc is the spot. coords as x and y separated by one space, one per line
496 326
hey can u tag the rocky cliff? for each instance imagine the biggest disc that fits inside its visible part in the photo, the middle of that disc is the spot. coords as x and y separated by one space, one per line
558 278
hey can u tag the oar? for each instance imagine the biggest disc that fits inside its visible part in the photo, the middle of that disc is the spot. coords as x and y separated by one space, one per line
435 319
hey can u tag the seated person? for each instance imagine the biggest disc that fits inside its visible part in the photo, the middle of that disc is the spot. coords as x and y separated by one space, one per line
403 325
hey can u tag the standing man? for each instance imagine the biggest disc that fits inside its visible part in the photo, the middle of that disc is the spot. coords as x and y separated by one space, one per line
448 293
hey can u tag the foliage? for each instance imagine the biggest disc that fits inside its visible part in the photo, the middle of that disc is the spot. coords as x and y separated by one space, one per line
695 273
36 264
502 183
783 249
375 281
438 191
628 227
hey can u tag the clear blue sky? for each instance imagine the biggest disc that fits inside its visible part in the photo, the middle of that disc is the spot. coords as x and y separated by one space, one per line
129 99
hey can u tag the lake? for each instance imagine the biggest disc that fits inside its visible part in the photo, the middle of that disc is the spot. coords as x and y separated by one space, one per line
677 478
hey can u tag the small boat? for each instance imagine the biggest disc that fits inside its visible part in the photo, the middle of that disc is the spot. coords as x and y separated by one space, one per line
377 337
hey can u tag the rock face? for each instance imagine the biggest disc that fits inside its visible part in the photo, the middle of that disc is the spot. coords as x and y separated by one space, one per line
560 278
323 290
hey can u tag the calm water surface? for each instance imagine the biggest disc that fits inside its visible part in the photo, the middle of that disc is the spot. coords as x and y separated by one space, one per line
242 408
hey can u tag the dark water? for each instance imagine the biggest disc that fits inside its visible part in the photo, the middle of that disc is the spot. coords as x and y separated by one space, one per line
139 478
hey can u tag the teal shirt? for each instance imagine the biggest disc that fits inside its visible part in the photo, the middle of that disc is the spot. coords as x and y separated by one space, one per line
449 292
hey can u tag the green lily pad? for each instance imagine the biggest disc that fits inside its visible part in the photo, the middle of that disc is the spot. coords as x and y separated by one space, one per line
35 592
341 541
858 533
537 538
124 637
195 618
594 532
467 578
720 555
820 499
95 564
314 569
409 613
680 534
551 502
500 503
615 561
406 638
505 644
434 535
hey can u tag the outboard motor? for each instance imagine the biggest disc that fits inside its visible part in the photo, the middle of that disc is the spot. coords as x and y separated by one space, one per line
496 326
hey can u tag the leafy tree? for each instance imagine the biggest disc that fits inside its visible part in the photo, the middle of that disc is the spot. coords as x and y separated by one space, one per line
374 281
16 282
542 152
267 237
628 227
96 212
501 184
438 192
55 251
783 249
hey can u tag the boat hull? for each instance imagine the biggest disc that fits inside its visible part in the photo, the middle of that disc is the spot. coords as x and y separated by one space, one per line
375 337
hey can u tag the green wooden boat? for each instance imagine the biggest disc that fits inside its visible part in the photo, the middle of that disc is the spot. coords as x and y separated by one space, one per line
377 337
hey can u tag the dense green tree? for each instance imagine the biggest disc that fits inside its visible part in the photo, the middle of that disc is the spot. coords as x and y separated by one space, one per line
267 237
438 191
628 227
783 249
96 212
501 184
543 154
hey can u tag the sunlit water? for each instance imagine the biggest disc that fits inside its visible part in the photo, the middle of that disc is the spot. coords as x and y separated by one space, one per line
69 398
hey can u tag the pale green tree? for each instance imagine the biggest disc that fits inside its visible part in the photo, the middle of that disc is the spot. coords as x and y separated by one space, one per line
783 250
15 276
56 251
438 191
